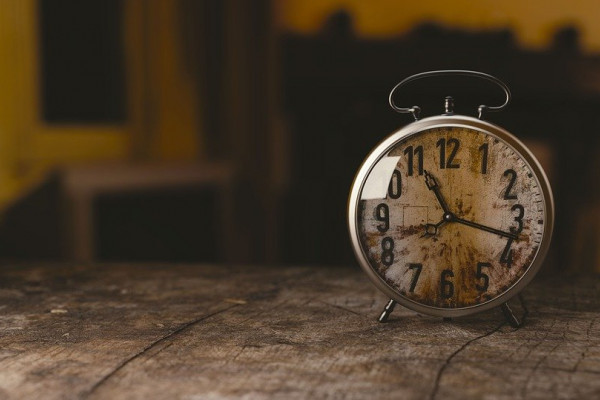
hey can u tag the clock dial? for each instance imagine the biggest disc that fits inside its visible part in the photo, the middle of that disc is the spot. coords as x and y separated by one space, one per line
451 217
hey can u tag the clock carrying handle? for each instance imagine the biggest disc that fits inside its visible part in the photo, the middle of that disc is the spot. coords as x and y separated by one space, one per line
415 110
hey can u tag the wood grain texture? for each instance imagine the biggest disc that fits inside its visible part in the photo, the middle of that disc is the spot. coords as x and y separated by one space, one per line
216 332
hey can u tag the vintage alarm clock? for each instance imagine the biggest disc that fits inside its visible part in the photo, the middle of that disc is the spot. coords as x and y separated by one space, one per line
450 215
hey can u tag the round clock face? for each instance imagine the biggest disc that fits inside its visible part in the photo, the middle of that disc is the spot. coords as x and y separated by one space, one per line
450 214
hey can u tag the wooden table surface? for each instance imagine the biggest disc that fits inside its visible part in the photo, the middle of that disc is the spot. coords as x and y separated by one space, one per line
217 332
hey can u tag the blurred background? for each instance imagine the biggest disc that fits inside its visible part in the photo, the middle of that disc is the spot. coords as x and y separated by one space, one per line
230 131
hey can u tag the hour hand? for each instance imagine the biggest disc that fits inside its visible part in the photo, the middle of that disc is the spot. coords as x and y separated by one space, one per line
430 181
432 184
432 229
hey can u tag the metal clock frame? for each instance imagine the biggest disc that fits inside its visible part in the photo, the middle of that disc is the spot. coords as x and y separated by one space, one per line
416 128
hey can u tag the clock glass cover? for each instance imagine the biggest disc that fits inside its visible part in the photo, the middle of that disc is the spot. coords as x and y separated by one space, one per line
450 214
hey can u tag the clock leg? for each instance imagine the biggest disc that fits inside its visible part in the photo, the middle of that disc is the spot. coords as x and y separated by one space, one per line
387 310
510 316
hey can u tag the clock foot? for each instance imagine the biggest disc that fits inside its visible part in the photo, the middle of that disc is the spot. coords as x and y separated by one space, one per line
510 316
387 310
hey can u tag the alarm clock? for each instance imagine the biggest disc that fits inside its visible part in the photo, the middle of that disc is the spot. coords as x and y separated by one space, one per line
450 215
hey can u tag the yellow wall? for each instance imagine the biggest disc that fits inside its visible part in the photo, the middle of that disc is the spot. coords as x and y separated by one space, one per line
163 120
533 21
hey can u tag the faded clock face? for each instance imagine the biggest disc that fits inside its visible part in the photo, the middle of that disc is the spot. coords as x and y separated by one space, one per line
450 217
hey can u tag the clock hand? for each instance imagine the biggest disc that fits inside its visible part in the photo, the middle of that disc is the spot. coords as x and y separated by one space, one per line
432 229
485 228
433 185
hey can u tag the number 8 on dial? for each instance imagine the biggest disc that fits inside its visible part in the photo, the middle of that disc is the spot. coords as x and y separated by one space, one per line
450 215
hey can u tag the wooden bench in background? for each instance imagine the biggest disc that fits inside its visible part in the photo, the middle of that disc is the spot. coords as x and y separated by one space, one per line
83 185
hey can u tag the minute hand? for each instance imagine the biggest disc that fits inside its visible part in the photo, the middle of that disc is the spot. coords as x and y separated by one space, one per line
486 228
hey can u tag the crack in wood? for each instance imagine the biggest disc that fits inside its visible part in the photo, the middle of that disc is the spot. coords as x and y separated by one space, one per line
436 384
536 367
570 370
152 345
253 296
539 341
584 353
263 311
341 308
160 350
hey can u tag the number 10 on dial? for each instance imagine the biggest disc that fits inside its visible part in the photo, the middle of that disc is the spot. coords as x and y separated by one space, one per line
450 215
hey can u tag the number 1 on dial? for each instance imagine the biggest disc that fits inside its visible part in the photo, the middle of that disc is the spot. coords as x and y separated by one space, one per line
484 157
